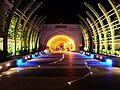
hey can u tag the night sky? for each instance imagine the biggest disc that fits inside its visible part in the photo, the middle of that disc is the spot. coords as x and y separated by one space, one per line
66 11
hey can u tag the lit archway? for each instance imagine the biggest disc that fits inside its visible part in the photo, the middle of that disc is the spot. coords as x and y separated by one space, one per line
61 43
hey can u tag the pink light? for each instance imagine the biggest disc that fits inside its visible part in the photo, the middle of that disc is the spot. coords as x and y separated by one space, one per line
101 57
29 57
69 83
26 58
97 56
8 64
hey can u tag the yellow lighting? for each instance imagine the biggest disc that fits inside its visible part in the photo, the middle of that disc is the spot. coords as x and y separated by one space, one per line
61 43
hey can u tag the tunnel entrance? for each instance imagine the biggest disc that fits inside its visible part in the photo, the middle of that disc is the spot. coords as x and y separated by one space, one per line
61 43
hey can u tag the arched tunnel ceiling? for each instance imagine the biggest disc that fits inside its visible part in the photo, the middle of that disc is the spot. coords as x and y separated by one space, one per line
61 40
64 11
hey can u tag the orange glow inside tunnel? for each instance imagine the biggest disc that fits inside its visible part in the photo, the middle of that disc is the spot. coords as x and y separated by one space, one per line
61 43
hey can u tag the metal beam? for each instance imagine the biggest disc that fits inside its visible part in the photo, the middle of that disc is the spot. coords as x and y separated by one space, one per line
110 25
100 21
112 3
89 31
99 47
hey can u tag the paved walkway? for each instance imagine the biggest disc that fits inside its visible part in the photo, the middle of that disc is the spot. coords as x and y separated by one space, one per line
67 73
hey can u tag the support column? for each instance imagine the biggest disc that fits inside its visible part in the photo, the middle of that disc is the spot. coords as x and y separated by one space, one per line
99 47
110 26
100 21
29 37
112 3
2 25
28 17
89 31
19 22
83 35
95 36
8 20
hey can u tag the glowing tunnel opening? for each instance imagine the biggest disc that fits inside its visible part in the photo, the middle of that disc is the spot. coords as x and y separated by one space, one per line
61 43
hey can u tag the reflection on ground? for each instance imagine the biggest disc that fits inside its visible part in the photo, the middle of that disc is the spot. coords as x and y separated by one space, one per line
63 70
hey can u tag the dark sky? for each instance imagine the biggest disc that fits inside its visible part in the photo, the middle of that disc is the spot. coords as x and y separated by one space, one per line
66 11
60 11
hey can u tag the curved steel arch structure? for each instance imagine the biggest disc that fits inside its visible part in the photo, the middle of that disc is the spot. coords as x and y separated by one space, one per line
108 42
100 33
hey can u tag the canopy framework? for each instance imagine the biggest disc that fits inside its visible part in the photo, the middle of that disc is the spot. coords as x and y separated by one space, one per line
24 26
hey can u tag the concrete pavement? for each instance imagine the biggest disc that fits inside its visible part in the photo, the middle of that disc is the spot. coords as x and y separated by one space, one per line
58 73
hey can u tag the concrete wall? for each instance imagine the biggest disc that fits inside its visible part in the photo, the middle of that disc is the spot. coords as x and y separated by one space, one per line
70 30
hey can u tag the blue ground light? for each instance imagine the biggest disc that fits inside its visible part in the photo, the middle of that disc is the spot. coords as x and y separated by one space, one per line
19 62
109 61
92 56
85 56
22 63
33 56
